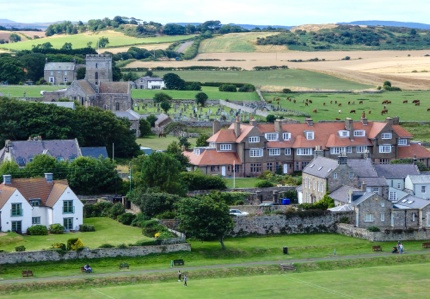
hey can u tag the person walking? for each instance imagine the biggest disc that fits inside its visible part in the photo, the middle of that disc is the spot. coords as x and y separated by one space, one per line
179 275
401 248
185 280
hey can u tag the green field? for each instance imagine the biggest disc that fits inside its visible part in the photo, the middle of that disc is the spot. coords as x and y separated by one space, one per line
29 90
233 42
281 78
161 143
116 39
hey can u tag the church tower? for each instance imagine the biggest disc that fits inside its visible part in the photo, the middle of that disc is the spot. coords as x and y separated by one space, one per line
98 68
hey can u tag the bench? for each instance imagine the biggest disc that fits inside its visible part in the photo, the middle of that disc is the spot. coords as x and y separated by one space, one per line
287 267
124 266
426 245
27 273
177 263
376 248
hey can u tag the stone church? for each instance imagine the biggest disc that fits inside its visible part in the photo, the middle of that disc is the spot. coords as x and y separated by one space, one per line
97 89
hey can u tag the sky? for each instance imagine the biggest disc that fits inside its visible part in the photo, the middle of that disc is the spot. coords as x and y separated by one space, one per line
257 12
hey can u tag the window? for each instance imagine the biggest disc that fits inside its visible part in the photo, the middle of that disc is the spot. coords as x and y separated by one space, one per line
286 136
68 207
287 152
304 151
35 202
399 185
296 166
392 196
68 223
382 217
402 141
256 152
255 167
309 135
212 144
16 210
351 175
385 148
116 106
225 147
386 135
35 220
65 79
271 136
384 161
338 150
16 226
344 133
423 189
60 158
359 133
254 139
414 217
269 166
368 218
274 151
335 175
361 149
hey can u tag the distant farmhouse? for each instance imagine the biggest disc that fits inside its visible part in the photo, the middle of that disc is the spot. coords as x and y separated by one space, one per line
149 83
60 72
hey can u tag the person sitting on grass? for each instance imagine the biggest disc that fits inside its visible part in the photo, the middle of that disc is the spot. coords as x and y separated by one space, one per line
88 268
395 250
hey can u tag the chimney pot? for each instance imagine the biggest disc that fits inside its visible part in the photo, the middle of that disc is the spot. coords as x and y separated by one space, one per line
7 179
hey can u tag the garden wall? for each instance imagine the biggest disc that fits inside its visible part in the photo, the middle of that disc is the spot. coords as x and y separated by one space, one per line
289 223
54 256
384 235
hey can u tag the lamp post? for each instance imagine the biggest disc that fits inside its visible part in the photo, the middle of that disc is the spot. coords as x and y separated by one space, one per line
131 175
234 174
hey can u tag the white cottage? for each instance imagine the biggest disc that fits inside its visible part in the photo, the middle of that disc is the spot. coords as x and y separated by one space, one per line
418 185
27 202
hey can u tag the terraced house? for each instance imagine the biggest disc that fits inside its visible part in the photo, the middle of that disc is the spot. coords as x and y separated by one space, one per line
246 150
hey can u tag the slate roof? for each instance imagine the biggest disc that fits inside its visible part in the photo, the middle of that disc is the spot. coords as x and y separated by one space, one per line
374 182
396 171
86 87
420 179
128 114
362 198
60 66
342 193
363 168
321 167
94 152
114 87
411 202
342 208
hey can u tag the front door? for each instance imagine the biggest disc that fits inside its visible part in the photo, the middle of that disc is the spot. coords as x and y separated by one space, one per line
223 171
17 226
285 168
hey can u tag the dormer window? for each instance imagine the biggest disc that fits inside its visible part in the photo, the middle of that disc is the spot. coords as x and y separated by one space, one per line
309 135
254 139
225 147
386 135
212 144
359 133
271 136
196 151
402 141
35 202
343 133
286 136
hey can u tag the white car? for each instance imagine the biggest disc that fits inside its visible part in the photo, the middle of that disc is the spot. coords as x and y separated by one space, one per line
236 212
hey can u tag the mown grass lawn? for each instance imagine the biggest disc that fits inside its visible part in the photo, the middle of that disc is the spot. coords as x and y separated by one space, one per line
29 90
161 143
107 231
241 182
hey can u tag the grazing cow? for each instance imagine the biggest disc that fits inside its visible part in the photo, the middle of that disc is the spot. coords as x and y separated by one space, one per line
352 111
360 102
340 111
388 102
331 102
294 101
384 102
349 102
161 135
370 112
335 102
417 103
315 111
306 104
428 109
405 101
324 104
337 118
385 111
340 104
310 101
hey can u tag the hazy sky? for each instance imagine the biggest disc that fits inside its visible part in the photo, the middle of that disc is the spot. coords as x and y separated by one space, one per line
269 12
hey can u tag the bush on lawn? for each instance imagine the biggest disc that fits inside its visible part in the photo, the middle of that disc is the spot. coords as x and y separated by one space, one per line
106 245
126 218
151 227
74 244
116 210
20 248
86 228
56 228
99 209
59 246
199 181
263 184
37 230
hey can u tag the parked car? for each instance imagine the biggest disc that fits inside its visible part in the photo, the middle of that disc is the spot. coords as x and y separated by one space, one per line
236 212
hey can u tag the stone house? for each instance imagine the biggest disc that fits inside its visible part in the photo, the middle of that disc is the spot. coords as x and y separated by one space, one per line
149 83
418 185
290 147
38 201
395 176
60 72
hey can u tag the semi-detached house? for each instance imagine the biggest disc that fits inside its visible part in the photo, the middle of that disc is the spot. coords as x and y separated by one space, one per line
247 150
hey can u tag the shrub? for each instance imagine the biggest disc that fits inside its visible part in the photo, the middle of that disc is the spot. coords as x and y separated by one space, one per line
126 218
60 246
227 88
56 228
99 209
106 245
263 184
151 227
344 219
122 246
247 88
74 244
143 243
286 90
20 248
166 215
140 218
86 228
373 229
116 210
37 230
200 181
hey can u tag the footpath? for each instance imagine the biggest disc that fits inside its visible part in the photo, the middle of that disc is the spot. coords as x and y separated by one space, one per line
193 268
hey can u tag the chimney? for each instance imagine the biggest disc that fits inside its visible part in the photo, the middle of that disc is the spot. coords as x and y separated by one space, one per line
396 120
252 121
342 159
49 176
8 145
278 126
318 151
364 119
363 186
389 120
237 127
309 121
216 126
7 179
349 126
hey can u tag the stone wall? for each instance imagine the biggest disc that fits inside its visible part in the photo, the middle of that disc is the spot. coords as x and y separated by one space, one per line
287 224
384 235
53 256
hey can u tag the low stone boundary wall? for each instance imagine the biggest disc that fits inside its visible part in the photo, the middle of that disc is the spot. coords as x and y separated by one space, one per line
54 256
385 235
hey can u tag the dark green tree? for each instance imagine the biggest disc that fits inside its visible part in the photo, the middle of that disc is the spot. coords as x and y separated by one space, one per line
174 149
204 218
173 81
201 98
151 119
270 118
42 164
153 204
201 140
10 167
11 70
80 73
67 47
165 106
34 64
13 37
161 97
103 42
144 127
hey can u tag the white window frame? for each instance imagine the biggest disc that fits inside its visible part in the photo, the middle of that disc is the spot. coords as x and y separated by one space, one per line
35 220
368 218
361 149
392 196
286 136
359 133
402 141
385 148
309 135
343 133
274 151
382 217
423 189
271 136
256 152
287 151
386 135
225 147
254 139
306 151
335 175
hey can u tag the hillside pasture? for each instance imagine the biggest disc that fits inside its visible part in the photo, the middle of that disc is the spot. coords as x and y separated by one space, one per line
232 42
116 39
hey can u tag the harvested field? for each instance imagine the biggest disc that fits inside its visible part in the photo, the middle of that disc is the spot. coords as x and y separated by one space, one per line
405 69
125 49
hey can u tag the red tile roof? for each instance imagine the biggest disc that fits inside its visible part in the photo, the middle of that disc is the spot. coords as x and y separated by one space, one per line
401 132
212 157
412 150
222 136
5 193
